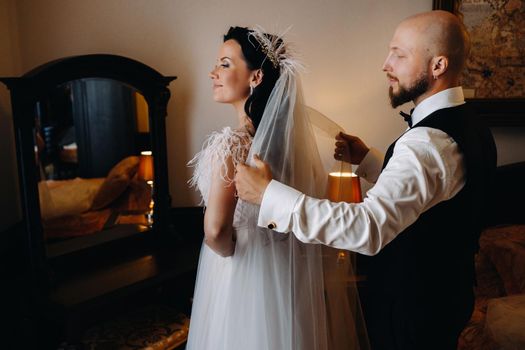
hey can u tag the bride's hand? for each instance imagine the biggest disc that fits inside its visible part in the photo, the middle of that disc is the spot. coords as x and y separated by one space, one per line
349 148
252 182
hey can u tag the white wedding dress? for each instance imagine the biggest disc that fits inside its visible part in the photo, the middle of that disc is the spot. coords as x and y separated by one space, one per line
238 300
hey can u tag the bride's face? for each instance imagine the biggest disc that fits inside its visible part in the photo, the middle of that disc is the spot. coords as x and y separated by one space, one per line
230 76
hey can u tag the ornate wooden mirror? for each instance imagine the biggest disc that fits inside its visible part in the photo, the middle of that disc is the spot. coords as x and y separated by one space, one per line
91 150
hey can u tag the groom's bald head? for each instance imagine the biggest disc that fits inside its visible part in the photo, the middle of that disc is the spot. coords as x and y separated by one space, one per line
441 33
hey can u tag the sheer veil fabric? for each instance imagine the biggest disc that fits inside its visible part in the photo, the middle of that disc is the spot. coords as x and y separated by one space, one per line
276 292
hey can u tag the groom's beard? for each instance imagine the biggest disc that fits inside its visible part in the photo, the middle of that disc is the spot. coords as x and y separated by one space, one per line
404 95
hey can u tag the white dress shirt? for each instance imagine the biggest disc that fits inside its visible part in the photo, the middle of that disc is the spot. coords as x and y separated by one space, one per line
426 168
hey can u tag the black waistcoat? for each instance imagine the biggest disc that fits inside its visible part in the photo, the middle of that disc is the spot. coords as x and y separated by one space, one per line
435 255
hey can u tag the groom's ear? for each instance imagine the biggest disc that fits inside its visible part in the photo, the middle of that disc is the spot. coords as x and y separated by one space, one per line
439 66
256 77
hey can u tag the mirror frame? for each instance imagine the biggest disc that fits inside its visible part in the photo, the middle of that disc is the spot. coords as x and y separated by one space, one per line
33 86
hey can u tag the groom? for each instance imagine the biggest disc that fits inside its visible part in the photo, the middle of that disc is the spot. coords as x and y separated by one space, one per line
418 227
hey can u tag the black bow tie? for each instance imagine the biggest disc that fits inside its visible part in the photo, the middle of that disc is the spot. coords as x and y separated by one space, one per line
407 117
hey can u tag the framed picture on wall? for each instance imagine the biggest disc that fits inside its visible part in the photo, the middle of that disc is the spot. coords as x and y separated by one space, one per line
494 77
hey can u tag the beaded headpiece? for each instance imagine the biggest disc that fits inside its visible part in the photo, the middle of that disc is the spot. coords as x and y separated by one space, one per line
275 49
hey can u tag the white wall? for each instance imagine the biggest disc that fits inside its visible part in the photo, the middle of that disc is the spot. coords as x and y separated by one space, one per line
342 42
9 66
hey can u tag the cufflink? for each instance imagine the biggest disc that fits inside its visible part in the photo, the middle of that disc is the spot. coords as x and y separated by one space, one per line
272 225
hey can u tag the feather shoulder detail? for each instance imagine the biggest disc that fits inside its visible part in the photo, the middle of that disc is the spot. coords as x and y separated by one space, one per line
218 147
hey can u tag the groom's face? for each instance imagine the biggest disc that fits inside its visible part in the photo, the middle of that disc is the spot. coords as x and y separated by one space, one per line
407 66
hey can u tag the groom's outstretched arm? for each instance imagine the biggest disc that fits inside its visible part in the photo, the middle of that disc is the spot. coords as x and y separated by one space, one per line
403 191
285 209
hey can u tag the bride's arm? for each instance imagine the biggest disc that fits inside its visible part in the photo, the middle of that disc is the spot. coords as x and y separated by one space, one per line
218 218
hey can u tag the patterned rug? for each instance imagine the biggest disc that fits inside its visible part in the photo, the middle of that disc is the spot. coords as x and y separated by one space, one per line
156 327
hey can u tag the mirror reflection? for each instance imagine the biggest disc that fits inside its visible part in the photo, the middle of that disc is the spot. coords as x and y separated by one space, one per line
93 152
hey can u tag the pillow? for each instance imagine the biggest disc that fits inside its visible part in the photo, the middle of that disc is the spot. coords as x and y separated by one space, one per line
67 197
505 320
116 182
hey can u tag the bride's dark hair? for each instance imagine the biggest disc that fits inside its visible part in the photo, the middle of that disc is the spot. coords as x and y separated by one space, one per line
255 58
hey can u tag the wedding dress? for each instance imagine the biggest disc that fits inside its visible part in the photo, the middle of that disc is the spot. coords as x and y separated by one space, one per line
274 292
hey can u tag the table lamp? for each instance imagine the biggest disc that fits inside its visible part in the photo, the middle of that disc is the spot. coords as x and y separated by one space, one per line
343 185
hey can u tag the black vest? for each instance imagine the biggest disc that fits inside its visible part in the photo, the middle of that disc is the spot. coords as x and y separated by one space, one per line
435 255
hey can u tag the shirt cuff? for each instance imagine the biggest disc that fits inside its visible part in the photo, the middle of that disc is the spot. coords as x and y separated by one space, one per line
277 206
371 165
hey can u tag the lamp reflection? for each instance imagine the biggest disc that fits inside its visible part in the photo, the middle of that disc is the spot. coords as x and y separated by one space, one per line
145 173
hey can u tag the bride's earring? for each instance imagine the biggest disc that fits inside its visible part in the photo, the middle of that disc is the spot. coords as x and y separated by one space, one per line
251 90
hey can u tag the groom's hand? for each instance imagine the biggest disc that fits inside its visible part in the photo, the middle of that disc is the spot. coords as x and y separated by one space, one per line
350 148
252 182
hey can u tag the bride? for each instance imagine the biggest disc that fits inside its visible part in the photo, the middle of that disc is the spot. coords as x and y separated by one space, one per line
256 290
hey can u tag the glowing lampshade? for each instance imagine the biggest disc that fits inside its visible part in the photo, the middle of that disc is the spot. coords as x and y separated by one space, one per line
343 187
145 171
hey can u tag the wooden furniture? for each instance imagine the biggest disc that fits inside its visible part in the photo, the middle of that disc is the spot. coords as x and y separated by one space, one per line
58 288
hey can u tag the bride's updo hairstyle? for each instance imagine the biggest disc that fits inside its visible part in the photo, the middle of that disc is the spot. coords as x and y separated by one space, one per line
256 58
